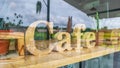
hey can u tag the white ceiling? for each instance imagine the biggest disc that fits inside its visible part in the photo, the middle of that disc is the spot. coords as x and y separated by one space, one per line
100 5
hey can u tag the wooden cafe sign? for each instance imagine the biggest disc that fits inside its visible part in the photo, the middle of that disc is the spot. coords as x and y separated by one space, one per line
63 42
62 38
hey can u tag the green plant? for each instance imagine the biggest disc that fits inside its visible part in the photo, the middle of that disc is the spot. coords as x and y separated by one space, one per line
97 21
6 23
18 18
38 7
97 29
3 25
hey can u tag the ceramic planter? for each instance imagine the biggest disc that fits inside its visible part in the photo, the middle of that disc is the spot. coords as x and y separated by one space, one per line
4 46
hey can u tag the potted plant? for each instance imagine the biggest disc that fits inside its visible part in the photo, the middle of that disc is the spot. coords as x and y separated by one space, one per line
5 25
4 43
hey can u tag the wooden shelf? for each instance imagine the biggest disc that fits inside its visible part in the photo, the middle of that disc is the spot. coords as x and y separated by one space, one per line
11 35
56 59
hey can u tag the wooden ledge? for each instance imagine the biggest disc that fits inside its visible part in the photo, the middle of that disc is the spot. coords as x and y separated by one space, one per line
57 59
11 35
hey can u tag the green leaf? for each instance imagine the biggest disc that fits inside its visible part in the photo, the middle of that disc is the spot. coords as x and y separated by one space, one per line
38 7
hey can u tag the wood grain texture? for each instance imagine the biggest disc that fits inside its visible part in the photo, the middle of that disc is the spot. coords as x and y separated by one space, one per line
56 59
88 37
29 37
11 35
64 41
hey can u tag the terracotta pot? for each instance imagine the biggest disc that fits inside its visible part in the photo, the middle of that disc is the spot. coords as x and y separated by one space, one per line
4 46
